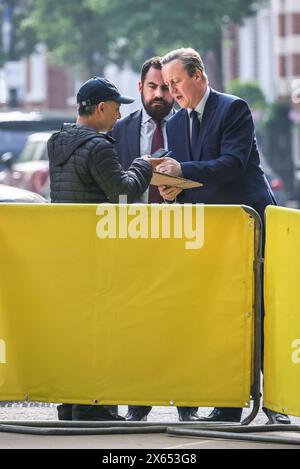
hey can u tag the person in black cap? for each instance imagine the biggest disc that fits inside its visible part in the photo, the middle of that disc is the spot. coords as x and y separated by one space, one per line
84 168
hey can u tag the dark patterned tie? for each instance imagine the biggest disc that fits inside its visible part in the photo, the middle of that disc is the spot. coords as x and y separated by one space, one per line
157 143
195 133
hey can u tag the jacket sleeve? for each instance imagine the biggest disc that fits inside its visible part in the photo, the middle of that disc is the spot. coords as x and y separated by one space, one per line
235 148
109 175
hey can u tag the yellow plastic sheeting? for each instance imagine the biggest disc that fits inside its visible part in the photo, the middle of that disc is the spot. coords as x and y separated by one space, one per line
282 304
140 321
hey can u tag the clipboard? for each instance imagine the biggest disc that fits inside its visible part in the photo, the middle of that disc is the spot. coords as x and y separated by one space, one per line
163 179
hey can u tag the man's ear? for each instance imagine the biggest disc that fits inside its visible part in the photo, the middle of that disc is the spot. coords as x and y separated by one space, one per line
198 75
140 86
100 107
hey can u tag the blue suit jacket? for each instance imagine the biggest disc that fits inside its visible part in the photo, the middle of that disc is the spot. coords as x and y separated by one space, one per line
126 132
228 161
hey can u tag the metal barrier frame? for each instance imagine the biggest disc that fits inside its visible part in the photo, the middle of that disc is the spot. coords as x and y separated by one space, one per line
258 286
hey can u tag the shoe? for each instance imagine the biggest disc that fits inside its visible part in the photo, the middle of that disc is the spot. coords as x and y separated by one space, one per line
94 413
136 416
224 414
64 412
137 413
187 414
276 418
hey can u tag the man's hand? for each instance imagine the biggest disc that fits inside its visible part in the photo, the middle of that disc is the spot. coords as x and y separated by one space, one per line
169 193
169 166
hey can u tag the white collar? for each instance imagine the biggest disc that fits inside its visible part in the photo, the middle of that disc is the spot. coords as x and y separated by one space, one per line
201 105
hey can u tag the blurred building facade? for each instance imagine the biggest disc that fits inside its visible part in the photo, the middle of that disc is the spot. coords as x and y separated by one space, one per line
266 49
34 82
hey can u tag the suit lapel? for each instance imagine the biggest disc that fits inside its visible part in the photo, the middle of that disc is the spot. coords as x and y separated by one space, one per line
133 135
208 114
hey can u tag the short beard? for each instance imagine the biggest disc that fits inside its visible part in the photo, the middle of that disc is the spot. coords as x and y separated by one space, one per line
158 113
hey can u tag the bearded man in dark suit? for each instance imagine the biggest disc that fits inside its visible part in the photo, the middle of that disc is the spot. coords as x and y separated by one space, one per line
142 133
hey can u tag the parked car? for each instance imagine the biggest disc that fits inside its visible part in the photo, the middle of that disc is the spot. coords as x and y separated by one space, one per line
31 171
10 194
275 181
16 126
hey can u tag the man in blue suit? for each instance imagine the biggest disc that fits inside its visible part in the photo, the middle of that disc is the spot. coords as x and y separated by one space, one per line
213 141
142 133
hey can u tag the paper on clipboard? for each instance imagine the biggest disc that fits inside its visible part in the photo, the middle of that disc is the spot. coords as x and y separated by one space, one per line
163 179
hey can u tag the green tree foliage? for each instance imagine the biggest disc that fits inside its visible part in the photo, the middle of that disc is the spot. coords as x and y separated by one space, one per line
250 91
74 32
157 26
22 42
95 32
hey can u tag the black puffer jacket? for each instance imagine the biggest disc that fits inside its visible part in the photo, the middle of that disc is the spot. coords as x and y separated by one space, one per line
84 168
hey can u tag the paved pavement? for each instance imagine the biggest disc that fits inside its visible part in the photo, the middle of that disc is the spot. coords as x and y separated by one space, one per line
40 411
44 411
127 442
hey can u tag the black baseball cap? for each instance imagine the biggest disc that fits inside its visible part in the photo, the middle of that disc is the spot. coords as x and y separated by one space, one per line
99 89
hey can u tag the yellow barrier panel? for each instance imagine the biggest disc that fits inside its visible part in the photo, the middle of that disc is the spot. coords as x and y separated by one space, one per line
282 304
121 320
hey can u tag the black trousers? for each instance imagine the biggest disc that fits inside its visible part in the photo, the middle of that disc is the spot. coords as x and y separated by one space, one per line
87 412
144 410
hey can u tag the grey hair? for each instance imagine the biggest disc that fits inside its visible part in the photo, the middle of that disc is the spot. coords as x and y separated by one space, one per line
189 59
